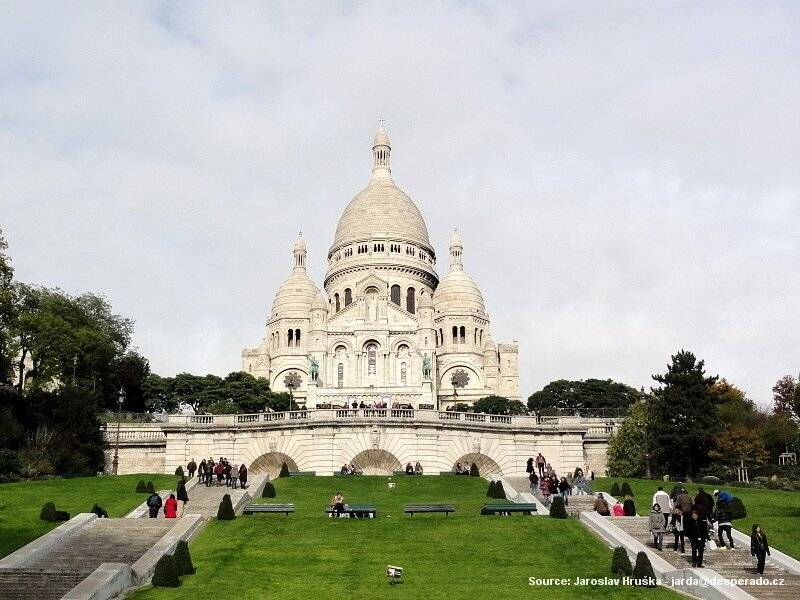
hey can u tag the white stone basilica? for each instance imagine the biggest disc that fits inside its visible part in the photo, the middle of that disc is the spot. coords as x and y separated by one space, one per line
386 329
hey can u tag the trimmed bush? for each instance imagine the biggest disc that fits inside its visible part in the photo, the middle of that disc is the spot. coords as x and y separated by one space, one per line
614 491
620 563
62 515
557 508
182 559
179 471
101 512
284 470
151 489
737 509
141 488
473 470
628 508
225 511
165 574
626 490
269 490
490 490
499 491
48 512
643 574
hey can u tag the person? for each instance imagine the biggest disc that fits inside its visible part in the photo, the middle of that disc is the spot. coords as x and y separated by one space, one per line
601 506
552 483
182 495
697 531
540 463
243 476
662 499
704 503
722 517
657 526
337 504
618 510
759 547
544 488
723 496
409 469
676 491
343 470
171 507
418 469
534 480
684 501
677 529
628 507
191 468
229 477
529 465
154 504
233 476
210 469
201 471
219 471
563 489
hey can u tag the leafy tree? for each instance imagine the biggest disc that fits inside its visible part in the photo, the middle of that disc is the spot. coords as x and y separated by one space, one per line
780 432
498 405
739 443
131 370
783 394
597 394
157 395
682 419
8 312
733 406
627 447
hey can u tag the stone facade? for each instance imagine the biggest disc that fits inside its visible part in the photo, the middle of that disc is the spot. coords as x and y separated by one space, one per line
386 328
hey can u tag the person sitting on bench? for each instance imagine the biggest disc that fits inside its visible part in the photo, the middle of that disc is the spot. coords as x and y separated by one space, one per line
344 470
417 469
337 504
409 469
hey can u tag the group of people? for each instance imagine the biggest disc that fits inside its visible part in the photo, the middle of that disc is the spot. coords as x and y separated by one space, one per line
462 468
170 505
414 470
548 484
350 469
223 470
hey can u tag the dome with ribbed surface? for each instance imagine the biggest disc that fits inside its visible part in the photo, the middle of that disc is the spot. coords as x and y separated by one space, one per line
458 294
296 295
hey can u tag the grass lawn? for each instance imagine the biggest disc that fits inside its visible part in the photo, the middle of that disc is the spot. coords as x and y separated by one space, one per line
463 555
20 503
776 511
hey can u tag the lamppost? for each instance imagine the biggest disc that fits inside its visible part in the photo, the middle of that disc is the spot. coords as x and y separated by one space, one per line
292 382
74 367
120 400
643 398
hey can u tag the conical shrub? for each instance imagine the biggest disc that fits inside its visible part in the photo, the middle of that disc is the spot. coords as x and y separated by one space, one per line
179 471
737 509
499 490
182 559
141 488
165 574
626 490
643 574
101 512
269 490
620 563
614 491
490 490
225 511
284 470
473 470
557 508
48 512
151 489
628 508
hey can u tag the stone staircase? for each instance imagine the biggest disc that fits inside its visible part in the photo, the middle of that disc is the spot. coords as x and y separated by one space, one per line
575 505
56 570
205 500
735 563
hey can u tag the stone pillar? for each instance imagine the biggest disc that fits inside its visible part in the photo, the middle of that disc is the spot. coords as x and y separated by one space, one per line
311 395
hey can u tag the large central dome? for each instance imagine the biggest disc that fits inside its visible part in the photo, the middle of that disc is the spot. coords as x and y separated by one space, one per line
381 209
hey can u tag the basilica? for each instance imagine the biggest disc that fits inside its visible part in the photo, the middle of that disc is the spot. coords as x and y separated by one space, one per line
386 331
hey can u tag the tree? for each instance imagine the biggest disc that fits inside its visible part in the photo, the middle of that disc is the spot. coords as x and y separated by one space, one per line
157 395
627 447
498 405
592 394
739 443
783 394
8 312
780 434
682 419
733 406
131 371
459 380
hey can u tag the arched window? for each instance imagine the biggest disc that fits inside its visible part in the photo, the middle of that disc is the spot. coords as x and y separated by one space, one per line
441 338
455 334
480 338
403 373
372 359
475 339
410 297
396 294
296 337
348 297
340 375
463 335
338 306
290 338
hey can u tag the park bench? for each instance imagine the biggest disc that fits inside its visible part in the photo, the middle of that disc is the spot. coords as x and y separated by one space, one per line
302 473
507 509
429 508
357 511
399 473
268 508
340 474
394 573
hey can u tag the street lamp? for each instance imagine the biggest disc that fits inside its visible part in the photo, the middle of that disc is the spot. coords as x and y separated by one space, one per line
74 367
120 400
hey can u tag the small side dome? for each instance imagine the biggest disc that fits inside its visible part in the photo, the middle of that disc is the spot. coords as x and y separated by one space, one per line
458 293
320 303
296 296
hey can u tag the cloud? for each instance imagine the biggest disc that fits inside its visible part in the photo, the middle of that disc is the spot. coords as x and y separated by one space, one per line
624 176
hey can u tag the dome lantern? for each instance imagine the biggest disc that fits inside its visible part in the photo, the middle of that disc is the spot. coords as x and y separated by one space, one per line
299 251
381 155
456 249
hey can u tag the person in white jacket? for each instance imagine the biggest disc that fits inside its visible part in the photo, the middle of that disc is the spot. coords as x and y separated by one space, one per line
662 499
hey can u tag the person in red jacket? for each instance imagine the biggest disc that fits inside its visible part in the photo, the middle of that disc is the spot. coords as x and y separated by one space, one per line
171 507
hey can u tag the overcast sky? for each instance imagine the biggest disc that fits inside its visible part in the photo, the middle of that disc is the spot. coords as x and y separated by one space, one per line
626 176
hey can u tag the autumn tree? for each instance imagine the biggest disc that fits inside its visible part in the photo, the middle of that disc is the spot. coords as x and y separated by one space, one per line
783 393
627 448
739 444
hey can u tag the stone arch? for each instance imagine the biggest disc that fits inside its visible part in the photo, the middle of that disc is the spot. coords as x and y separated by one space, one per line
403 341
271 463
277 382
486 465
475 378
376 462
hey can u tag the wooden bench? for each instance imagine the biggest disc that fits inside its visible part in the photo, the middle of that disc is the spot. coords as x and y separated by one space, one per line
268 508
302 473
429 508
394 573
358 511
507 509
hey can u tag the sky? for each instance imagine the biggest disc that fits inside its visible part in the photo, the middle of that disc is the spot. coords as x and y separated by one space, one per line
625 175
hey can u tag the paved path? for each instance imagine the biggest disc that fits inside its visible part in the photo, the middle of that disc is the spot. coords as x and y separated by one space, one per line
735 563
